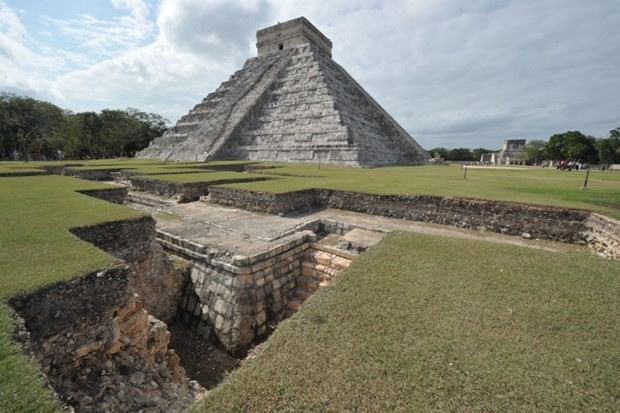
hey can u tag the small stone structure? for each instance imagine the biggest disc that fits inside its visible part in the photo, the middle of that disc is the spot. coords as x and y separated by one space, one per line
236 301
291 103
512 153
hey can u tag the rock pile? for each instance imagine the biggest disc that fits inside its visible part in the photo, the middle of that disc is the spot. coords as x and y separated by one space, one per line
121 365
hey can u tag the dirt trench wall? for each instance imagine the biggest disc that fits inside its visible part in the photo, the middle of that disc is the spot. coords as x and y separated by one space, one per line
114 195
100 350
509 218
152 275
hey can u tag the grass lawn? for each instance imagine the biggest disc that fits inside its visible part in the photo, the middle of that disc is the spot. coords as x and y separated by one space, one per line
416 324
423 323
202 176
528 185
36 248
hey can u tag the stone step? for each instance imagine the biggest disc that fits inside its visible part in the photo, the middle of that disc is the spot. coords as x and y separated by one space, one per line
307 283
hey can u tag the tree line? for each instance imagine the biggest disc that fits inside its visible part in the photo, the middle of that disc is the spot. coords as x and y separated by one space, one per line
570 146
31 129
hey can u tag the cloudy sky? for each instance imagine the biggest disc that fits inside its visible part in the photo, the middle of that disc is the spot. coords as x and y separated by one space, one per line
468 73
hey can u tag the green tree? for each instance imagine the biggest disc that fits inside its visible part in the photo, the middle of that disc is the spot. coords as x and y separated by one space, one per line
155 124
441 152
40 129
478 152
571 145
535 150
459 154
609 149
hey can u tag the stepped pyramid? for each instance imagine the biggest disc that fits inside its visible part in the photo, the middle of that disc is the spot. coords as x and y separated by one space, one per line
291 103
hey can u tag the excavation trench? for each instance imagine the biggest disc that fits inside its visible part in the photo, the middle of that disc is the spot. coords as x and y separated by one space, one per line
104 339
117 340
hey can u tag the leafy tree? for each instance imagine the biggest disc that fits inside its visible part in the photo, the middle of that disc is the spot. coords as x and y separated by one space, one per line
535 150
572 145
40 129
609 149
460 154
441 152
478 152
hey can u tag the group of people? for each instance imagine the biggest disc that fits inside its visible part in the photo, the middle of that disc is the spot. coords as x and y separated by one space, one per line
570 165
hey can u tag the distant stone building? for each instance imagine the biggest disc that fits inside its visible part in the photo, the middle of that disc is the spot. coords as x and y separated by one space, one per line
512 153
291 103
488 159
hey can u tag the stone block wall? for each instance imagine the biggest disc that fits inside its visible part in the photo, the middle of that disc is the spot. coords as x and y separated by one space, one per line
603 233
182 192
91 174
235 303
503 217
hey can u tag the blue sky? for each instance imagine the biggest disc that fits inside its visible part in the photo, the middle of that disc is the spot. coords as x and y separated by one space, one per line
453 73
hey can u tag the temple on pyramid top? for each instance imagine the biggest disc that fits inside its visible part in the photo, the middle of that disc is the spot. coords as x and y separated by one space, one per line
291 34
290 103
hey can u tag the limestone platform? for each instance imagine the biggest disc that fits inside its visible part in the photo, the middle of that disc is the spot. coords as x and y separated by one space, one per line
227 231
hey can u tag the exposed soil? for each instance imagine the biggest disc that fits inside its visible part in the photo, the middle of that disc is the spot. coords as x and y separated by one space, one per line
201 360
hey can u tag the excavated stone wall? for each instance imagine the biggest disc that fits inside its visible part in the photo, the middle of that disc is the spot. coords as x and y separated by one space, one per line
91 174
503 217
604 235
183 192
234 303
99 349
152 275
114 195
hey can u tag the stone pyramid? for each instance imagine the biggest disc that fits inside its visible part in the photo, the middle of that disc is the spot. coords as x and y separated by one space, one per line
291 103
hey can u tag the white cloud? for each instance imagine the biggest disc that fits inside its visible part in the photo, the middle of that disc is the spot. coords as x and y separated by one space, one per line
99 37
453 73
199 44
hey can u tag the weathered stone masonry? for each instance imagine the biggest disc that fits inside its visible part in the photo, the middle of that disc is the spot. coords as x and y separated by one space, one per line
235 302
503 217
291 103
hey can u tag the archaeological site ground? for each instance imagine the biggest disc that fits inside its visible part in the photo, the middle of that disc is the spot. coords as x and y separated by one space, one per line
245 262
146 285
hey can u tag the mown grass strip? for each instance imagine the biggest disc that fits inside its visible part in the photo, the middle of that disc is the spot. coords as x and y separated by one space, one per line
424 323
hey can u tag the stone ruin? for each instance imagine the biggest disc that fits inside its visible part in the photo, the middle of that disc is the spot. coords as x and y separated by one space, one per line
290 103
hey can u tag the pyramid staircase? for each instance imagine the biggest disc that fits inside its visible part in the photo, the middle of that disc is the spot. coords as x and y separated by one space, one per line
291 103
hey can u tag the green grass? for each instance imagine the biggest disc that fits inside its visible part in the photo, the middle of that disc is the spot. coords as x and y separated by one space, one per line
35 243
417 324
195 177
528 185
36 248
21 385
423 323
